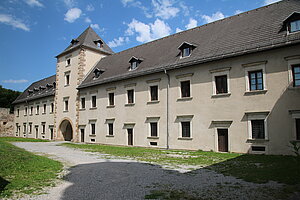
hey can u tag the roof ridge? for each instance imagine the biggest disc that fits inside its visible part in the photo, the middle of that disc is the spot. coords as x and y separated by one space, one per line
42 79
198 27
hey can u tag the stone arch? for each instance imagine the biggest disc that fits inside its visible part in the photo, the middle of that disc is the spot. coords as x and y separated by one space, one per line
66 129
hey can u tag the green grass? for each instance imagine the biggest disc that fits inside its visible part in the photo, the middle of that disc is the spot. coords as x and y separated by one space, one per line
252 168
22 172
21 139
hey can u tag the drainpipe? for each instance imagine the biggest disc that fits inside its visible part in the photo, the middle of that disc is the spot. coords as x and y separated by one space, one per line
168 86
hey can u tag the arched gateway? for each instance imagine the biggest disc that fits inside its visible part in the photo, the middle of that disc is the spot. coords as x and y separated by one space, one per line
66 130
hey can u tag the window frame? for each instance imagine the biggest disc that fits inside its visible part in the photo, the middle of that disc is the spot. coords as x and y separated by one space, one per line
37 110
68 61
217 73
290 26
66 104
82 103
44 108
251 116
67 76
256 66
256 78
110 132
157 93
182 119
128 96
93 128
188 95
149 121
111 98
184 50
93 101
293 74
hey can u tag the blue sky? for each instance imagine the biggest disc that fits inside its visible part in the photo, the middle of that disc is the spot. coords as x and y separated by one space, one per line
33 32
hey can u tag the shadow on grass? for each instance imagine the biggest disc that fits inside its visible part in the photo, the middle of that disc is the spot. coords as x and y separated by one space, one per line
3 184
133 180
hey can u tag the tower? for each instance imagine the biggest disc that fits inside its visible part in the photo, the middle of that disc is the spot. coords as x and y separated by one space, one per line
72 66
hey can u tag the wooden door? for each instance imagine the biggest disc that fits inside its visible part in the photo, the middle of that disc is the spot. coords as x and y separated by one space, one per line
223 140
130 136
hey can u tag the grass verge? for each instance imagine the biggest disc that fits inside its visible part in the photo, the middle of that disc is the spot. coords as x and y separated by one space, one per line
252 168
20 139
22 172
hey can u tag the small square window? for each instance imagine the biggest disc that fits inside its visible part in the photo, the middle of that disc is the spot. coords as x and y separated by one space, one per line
296 75
221 84
130 96
134 65
153 129
111 97
186 129
186 52
258 129
110 129
82 103
94 102
256 80
154 93
185 89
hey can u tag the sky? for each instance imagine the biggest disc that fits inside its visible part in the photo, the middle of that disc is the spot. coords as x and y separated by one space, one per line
33 32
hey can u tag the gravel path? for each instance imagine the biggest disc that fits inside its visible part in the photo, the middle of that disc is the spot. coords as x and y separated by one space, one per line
91 176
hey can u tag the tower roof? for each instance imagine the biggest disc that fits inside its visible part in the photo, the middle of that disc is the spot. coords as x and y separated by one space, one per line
90 39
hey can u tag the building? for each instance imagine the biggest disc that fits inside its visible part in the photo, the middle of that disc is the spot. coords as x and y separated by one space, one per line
231 85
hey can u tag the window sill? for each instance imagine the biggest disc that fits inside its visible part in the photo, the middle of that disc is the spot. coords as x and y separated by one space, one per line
153 102
185 99
254 92
92 135
257 140
152 137
110 106
93 108
43 113
65 111
111 136
37 114
185 138
30 114
50 112
82 109
129 104
66 85
221 95
294 88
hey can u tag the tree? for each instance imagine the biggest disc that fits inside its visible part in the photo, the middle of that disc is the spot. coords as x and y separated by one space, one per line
7 96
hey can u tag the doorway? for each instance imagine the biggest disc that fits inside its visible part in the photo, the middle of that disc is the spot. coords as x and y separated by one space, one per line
130 136
223 140
66 130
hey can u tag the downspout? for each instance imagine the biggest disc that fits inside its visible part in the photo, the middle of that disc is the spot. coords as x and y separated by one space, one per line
168 86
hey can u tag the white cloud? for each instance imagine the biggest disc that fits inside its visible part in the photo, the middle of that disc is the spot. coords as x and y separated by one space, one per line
137 4
33 3
216 16
185 9
178 30
192 24
148 32
72 15
96 26
164 9
15 81
238 12
126 2
69 3
90 7
16 23
267 2
118 42
88 20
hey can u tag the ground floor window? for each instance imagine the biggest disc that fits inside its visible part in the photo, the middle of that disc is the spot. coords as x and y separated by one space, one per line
153 128
110 129
258 129
186 129
297 129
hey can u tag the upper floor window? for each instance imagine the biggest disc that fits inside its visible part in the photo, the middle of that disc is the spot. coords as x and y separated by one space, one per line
44 108
52 107
99 43
256 80
295 26
111 97
98 72
94 102
66 108
68 62
67 78
18 112
130 96
37 109
134 63
154 92
221 84
296 75
25 111
185 89
31 110
186 49
83 103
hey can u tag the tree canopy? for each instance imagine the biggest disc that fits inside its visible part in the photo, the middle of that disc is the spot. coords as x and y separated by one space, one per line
7 96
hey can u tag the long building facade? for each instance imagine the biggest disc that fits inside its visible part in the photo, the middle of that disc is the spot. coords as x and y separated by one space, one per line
229 86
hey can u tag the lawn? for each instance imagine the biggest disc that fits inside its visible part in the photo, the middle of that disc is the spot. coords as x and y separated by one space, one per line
252 168
22 172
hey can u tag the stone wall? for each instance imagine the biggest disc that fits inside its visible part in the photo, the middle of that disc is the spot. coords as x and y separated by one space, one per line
6 122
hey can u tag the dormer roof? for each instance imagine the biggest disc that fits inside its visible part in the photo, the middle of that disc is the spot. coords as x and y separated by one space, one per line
87 39
186 44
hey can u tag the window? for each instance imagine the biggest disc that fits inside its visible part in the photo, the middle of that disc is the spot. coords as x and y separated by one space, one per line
37 109
43 128
133 65
66 105
153 129
186 129
258 129
83 103
99 43
18 112
93 129
31 110
110 129
25 111
185 89
186 52
297 129
296 75
52 107
130 96
295 26
24 128
30 128
94 102
221 84
68 62
67 78
111 97
154 93
256 80
44 108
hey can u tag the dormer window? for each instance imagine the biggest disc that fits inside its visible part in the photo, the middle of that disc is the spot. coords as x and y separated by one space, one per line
134 63
98 72
74 42
99 43
295 26
186 49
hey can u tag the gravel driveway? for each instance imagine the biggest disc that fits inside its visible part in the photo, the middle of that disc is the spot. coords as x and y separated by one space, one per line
91 176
